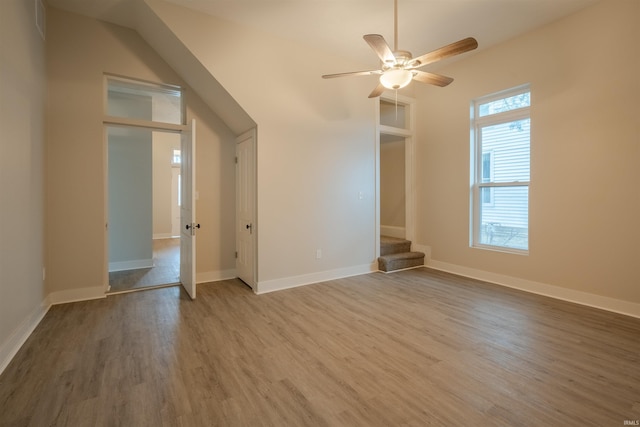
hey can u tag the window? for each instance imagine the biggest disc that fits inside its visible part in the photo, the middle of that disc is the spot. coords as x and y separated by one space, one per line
176 158
138 100
500 166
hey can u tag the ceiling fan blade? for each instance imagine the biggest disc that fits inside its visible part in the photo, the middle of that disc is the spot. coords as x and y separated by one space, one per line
380 47
352 73
453 49
377 91
431 78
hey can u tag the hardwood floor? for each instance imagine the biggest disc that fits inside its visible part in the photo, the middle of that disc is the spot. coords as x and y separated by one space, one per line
414 348
165 270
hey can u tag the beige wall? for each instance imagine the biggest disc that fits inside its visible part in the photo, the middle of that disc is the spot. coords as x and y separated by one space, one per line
80 50
22 98
315 143
585 153
392 183
163 145
130 198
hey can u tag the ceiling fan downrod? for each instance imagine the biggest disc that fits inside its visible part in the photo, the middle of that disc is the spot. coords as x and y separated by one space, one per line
395 25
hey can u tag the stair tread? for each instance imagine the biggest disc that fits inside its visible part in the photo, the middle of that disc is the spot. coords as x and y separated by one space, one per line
392 240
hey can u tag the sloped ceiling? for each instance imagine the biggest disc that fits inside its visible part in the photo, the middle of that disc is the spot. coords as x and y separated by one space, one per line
334 26
338 25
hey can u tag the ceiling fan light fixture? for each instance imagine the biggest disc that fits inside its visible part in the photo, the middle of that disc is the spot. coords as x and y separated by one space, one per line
396 78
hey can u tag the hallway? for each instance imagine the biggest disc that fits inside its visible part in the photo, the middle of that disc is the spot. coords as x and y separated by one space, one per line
165 270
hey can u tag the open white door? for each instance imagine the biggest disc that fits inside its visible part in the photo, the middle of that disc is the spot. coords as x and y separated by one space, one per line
245 207
188 210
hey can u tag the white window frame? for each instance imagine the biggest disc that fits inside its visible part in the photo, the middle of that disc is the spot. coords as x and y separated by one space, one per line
157 87
490 179
476 181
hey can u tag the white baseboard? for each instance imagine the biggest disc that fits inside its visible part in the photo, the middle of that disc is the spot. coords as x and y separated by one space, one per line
10 347
393 231
215 276
164 236
308 279
75 295
557 292
130 265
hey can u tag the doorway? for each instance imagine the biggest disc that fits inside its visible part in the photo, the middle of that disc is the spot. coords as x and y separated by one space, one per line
143 204
395 117
392 186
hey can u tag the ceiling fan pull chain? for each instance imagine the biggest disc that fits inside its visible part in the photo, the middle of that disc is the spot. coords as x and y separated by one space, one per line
396 105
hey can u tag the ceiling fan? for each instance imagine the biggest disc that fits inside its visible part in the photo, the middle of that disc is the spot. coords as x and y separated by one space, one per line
399 67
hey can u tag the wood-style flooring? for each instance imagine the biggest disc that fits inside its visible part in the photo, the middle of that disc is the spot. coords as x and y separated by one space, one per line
414 348
165 270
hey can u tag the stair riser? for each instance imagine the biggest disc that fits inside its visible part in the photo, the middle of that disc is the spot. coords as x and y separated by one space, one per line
399 264
395 248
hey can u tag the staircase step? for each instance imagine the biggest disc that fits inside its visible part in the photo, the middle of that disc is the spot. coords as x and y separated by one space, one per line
399 261
393 245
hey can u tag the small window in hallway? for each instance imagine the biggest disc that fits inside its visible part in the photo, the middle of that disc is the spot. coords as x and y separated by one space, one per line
140 100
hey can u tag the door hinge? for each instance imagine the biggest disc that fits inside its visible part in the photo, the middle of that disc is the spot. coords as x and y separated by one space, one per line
236 254
236 159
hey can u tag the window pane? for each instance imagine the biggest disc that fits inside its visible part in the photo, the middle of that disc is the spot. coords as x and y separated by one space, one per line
393 114
505 104
505 221
486 167
506 146
144 101
177 158
485 194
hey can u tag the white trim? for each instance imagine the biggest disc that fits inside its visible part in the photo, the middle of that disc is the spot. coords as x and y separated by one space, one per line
216 276
552 291
16 340
138 123
402 269
130 265
161 236
393 231
376 231
149 288
308 279
75 295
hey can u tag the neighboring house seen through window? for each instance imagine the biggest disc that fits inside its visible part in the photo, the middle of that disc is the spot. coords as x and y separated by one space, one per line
500 167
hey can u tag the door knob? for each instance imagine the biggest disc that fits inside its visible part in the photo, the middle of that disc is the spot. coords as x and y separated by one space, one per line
250 228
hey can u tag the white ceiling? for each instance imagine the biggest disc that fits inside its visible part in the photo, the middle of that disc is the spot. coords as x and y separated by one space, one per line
338 25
